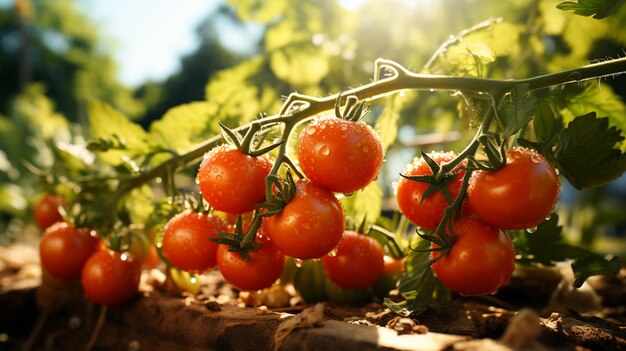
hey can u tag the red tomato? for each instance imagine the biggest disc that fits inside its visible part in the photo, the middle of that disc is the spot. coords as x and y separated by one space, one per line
232 181
264 266
340 155
519 195
110 277
46 211
186 241
310 225
358 262
389 279
429 212
480 261
64 250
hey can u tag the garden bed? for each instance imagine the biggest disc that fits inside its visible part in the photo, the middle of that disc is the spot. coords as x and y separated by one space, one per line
218 319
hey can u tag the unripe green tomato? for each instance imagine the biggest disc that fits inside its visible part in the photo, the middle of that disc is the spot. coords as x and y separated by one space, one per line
310 282
185 281
343 296
389 280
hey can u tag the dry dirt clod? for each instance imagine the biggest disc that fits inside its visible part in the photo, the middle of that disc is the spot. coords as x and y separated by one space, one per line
403 325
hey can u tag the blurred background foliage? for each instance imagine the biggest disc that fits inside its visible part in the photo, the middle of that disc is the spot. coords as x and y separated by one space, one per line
54 63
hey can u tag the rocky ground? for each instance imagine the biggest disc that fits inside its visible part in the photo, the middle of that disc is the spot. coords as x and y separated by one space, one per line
538 310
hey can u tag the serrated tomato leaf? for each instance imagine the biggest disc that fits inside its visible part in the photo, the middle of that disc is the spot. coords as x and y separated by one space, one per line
586 152
546 246
515 109
597 8
418 285
587 266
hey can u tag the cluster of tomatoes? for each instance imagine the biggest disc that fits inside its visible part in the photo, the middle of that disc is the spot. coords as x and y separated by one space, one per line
336 156
481 257
69 254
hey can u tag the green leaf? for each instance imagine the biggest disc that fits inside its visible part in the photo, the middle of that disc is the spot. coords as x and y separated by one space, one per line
587 266
515 109
418 285
474 51
300 65
106 122
546 121
546 246
585 152
184 126
387 123
597 8
591 97
364 204
12 199
259 11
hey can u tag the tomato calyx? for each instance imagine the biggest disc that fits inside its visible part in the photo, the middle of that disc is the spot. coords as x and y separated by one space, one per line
436 181
494 149
353 110
280 192
242 239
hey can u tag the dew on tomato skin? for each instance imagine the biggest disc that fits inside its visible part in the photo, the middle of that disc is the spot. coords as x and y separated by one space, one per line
531 229
311 130
219 178
124 257
348 194
298 262
333 252
535 159
324 151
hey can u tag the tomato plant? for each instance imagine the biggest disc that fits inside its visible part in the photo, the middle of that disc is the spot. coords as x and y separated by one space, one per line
260 271
64 249
340 155
46 211
110 277
480 260
232 181
357 263
427 211
310 225
186 241
519 195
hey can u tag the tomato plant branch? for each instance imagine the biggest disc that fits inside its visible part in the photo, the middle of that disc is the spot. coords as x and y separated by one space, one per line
299 107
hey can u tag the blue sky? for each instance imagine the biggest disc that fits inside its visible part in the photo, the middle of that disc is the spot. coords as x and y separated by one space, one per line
149 36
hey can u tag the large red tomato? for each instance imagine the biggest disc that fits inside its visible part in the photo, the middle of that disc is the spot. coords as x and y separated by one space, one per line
426 213
519 195
263 267
232 181
186 241
480 261
64 249
358 262
340 155
310 225
110 277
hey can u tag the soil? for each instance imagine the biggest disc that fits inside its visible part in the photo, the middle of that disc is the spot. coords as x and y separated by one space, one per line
537 310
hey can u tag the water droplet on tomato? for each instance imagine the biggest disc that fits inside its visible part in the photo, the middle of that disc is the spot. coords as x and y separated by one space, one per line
298 262
311 130
333 252
348 194
366 149
124 257
215 170
531 229
220 193
325 150
535 159
197 181
219 178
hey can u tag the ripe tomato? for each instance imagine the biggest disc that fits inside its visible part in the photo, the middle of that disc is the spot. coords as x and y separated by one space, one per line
519 195
429 212
46 211
358 262
186 241
340 155
310 225
264 266
480 261
110 277
232 181
64 250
